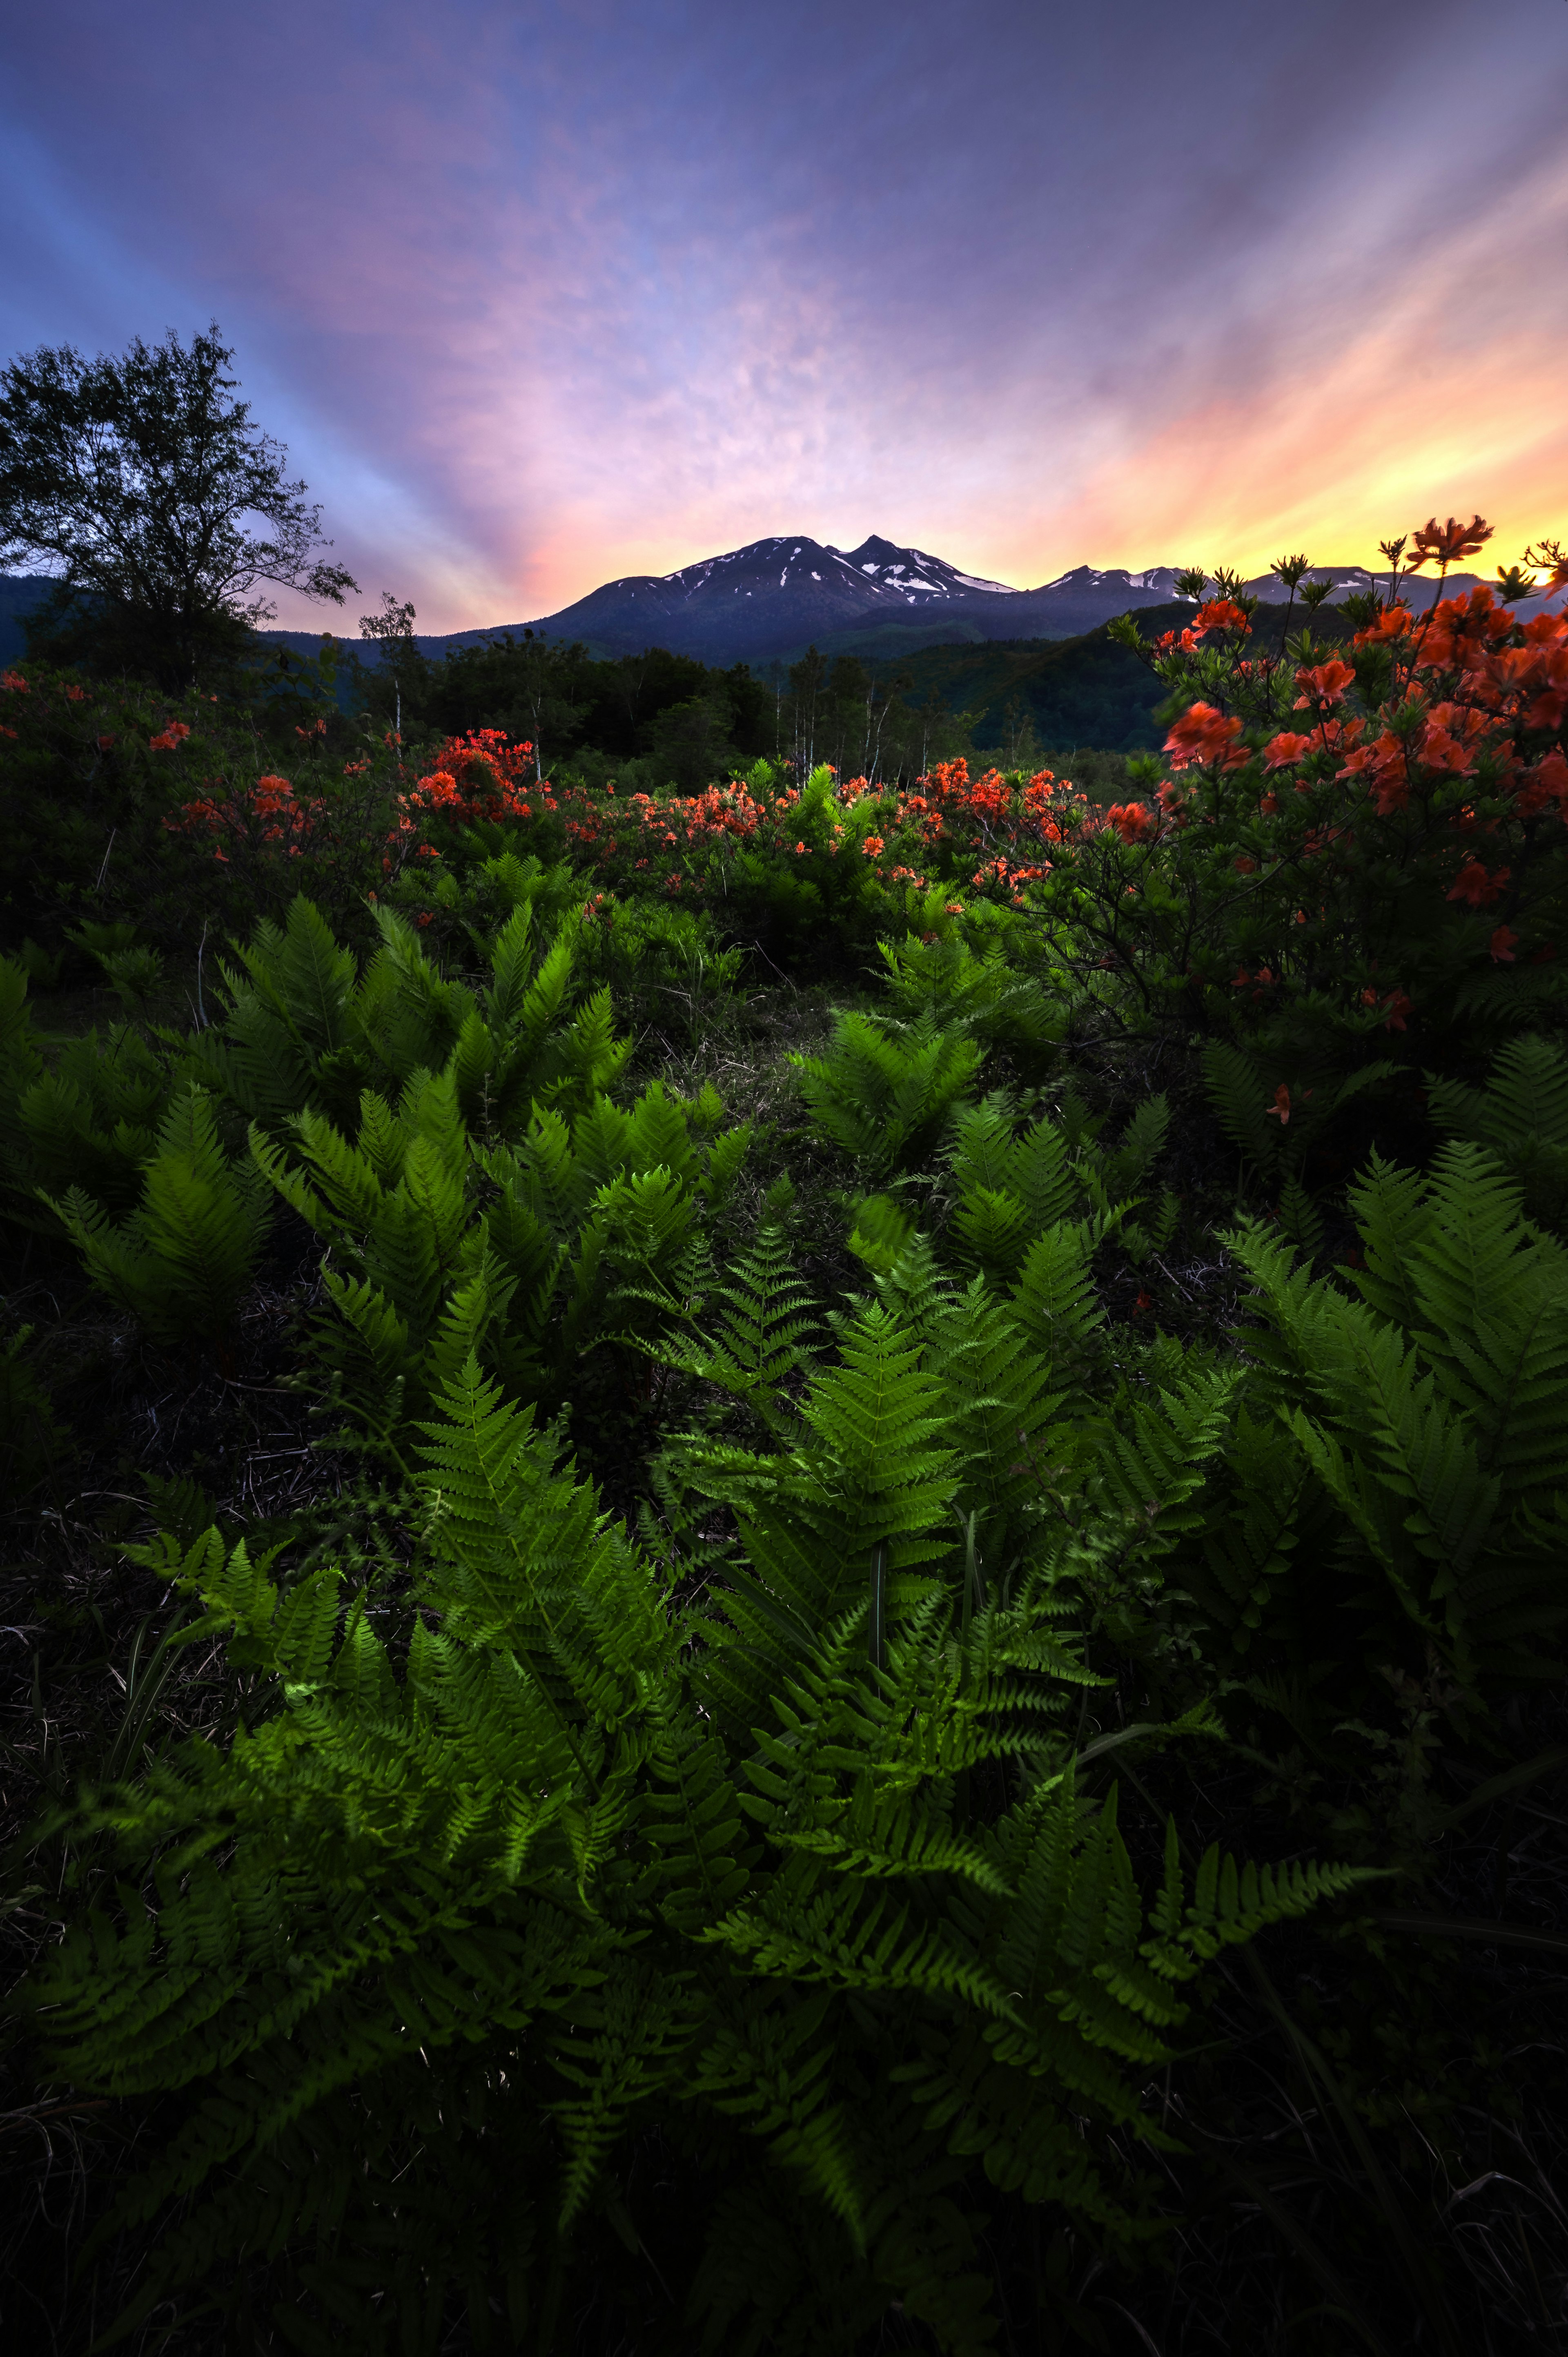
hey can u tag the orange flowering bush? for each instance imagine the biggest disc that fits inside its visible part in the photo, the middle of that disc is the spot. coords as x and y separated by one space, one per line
1343 842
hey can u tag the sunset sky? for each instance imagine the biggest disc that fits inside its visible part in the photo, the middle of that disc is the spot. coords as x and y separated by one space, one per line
538 295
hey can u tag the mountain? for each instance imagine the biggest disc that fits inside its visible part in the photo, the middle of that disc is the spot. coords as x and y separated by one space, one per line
770 600
766 603
763 604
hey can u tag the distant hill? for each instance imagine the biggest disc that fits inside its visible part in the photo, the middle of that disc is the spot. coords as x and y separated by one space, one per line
19 593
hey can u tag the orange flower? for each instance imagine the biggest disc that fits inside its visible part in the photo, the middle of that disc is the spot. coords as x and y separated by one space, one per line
1220 614
1448 739
1478 888
1391 623
1502 945
1383 764
1131 821
1203 736
1327 683
1280 1109
104 743
169 741
14 684
1446 544
1246 867
872 847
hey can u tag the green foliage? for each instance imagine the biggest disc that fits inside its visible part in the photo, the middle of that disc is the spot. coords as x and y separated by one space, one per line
1409 1479
1521 1115
985 992
183 1260
1275 1133
305 1029
886 1091
467 1910
89 1121
1011 1186
659 962
532 1252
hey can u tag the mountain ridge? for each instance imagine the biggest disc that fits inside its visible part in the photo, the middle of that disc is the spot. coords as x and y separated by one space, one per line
766 602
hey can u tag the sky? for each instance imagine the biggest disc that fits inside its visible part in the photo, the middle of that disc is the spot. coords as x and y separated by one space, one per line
539 295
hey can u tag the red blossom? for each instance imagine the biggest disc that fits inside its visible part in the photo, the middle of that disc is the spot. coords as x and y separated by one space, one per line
1477 886
1280 1109
1286 751
1203 736
1446 544
1391 623
1218 614
1134 821
1502 945
1328 683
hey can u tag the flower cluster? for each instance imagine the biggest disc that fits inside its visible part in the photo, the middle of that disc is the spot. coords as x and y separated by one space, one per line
1396 800
268 813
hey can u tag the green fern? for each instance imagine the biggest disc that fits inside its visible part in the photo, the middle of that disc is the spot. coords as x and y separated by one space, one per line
532 1254
884 1094
1433 1411
940 975
1274 1118
305 1031
183 1261
476 1901
1521 1115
